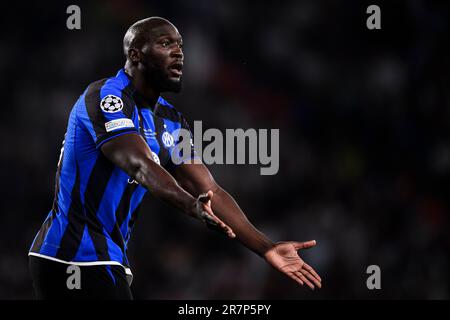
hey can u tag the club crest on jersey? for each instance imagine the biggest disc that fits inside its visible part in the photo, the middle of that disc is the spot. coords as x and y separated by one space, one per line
156 158
111 103
167 139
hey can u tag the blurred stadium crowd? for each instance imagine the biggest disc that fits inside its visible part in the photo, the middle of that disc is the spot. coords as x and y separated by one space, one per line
364 140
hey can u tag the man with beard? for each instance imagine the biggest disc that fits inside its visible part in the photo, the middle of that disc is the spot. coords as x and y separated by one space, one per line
118 146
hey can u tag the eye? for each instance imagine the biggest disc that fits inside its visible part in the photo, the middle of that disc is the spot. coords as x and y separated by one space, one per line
165 43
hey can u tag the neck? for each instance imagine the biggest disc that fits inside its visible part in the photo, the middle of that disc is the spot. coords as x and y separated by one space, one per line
147 95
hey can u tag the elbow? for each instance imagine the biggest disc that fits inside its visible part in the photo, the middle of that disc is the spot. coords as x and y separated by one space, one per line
137 168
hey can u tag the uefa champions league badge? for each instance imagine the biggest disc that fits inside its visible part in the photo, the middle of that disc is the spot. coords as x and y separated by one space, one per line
111 104
167 139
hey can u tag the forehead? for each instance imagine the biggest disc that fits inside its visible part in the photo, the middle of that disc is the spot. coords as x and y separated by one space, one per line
165 30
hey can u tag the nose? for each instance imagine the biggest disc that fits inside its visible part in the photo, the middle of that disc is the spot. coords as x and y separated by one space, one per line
178 52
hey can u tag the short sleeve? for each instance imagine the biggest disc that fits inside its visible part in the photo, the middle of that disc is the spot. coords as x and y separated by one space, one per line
107 112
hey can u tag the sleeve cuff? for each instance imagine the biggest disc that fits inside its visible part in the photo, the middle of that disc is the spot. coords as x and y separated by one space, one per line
111 135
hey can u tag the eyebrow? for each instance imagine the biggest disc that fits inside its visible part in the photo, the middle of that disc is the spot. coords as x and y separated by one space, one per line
168 35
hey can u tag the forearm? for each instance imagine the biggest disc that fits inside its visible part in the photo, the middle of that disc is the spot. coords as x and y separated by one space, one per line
162 185
226 208
130 153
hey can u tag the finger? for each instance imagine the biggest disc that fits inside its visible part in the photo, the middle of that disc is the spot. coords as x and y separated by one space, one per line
312 271
221 228
231 233
206 197
228 230
311 277
208 209
209 196
215 221
209 214
304 279
211 219
304 245
295 278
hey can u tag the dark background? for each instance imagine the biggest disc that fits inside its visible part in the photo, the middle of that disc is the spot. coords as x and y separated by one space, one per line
364 140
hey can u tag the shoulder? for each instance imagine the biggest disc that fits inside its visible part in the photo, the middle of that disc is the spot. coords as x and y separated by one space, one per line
168 111
109 86
112 94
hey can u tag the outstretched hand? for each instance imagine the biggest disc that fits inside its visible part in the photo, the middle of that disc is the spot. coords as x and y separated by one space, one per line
284 257
204 213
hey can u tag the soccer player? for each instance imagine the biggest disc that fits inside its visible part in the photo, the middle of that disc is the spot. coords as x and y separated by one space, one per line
118 146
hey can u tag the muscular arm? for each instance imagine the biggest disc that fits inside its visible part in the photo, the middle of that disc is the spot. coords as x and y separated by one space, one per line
131 153
283 256
197 179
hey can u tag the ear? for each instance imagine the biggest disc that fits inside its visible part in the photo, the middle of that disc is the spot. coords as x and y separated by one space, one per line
134 55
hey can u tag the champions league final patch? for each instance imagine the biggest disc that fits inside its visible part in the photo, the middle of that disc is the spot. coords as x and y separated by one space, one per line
111 104
118 124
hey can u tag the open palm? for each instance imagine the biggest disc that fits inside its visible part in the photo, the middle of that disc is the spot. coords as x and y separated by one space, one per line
284 257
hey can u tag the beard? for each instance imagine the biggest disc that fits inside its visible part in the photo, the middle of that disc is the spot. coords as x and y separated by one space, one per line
160 79
171 85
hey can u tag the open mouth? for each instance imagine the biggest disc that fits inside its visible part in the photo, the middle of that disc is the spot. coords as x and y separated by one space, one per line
176 69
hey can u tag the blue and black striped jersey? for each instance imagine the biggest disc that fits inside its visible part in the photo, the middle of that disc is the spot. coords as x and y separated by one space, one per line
96 203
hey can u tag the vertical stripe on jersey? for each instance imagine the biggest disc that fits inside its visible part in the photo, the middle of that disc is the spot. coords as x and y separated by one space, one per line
93 100
55 208
131 220
50 244
86 250
122 212
146 117
163 153
95 189
133 217
111 198
39 239
126 95
73 233
136 200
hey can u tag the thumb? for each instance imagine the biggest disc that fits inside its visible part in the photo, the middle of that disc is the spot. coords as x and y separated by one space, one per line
206 197
304 245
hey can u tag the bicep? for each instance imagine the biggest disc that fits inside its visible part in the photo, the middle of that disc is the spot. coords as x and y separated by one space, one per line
195 178
127 151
